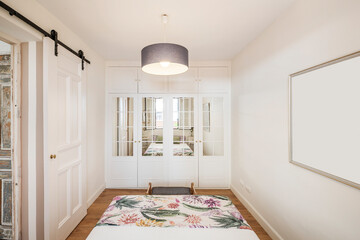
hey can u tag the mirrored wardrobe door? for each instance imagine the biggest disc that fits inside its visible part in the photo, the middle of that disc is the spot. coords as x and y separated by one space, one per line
213 163
183 122
152 126
122 165
183 163
151 148
212 126
123 127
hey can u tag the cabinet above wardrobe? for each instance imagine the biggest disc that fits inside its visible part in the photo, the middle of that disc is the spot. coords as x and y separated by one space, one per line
209 79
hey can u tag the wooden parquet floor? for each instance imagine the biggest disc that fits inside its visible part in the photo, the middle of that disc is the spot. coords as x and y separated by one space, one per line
99 206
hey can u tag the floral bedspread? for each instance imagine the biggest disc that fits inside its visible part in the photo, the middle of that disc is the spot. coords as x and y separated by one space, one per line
190 211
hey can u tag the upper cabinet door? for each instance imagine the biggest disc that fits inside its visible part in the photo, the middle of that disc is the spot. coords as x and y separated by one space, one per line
214 79
185 82
152 83
121 79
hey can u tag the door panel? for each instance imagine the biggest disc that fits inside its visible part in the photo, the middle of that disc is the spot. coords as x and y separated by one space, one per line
64 137
152 170
213 173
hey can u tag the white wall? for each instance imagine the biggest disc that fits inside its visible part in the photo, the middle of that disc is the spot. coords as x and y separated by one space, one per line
95 89
297 203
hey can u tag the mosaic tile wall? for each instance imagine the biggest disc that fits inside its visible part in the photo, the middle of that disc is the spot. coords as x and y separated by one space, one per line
5 145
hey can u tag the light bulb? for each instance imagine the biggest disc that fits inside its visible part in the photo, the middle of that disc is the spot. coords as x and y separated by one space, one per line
164 64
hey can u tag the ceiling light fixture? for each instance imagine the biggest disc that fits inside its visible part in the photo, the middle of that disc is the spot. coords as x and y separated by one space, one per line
164 58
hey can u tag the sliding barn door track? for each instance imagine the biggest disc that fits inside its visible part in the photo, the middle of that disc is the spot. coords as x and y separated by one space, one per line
53 34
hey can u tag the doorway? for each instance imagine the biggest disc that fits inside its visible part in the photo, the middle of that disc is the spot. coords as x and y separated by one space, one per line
7 182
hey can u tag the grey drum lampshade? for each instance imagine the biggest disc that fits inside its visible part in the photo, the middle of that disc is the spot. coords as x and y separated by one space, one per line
164 59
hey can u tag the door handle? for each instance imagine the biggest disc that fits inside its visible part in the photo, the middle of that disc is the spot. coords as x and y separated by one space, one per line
52 156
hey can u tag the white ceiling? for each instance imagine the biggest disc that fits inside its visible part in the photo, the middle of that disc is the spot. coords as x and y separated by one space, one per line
210 29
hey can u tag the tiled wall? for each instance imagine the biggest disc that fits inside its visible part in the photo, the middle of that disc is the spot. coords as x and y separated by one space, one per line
5 148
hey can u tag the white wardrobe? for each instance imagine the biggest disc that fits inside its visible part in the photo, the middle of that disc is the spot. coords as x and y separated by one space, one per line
168 130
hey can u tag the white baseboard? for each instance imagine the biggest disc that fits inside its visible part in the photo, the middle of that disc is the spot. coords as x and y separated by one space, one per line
95 195
261 220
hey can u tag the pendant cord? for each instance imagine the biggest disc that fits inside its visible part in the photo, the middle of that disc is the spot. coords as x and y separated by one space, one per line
164 21
164 32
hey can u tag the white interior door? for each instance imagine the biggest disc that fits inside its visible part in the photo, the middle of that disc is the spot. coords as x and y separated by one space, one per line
64 141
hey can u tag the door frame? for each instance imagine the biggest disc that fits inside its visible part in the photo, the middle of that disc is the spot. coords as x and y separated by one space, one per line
15 132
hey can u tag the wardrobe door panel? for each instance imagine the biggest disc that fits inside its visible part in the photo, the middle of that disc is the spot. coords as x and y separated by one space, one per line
152 83
185 82
121 79
183 172
213 173
214 80
152 170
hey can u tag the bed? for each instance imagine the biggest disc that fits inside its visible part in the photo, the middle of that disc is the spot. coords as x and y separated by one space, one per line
156 149
172 217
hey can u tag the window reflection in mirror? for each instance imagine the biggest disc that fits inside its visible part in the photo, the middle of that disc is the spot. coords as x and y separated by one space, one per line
213 129
183 126
152 126
123 126
6 83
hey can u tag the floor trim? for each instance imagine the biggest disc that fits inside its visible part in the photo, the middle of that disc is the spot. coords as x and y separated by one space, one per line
96 194
261 220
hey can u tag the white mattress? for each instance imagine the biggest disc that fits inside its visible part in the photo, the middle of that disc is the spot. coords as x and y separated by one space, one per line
154 233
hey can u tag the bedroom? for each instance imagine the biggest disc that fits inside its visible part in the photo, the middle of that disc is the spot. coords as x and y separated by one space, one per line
222 125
